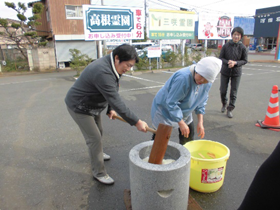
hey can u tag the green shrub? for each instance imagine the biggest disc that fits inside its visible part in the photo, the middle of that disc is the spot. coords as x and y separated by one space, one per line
196 56
18 65
208 52
179 57
171 58
217 53
143 64
187 58
154 64
78 60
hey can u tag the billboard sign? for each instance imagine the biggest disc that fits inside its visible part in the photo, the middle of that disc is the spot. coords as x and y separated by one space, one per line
154 52
247 23
169 24
267 22
104 22
214 26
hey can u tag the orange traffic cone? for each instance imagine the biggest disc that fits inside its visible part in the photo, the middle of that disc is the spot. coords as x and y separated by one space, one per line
271 120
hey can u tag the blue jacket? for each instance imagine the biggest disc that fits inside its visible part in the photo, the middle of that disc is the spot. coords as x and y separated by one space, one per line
178 98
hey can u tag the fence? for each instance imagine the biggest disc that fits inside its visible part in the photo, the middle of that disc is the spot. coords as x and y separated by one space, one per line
11 54
39 59
42 59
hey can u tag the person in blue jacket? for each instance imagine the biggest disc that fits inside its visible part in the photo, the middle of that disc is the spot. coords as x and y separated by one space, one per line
184 92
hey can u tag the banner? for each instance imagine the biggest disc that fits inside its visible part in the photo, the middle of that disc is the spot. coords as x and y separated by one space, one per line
213 26
169 24
104 22
247 23
266 22
154 52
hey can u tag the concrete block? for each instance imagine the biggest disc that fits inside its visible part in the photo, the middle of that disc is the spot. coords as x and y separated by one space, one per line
161 187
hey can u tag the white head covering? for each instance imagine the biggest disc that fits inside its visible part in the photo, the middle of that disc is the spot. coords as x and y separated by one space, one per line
209 68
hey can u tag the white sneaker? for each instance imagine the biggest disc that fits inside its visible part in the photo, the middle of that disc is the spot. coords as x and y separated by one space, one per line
106 157
105 179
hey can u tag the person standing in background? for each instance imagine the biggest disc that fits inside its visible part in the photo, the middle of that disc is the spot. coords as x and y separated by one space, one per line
234 56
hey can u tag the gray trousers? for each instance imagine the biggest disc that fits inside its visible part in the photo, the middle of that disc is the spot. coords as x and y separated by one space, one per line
234 84
91 129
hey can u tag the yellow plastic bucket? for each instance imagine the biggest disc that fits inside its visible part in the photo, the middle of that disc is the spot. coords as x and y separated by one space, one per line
208 165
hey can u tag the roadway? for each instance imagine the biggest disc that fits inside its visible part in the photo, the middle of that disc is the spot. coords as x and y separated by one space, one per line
44 160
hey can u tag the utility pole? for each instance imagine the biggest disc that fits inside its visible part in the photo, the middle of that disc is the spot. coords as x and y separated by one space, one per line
146 15
145 5
104 41
99 43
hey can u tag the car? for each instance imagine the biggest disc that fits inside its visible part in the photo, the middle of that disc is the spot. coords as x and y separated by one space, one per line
260 48
165 50
196 46
189 45
142 53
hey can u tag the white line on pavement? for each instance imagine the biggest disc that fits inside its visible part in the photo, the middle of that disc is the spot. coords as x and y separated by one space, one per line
144 88
37 80
142 79
169 72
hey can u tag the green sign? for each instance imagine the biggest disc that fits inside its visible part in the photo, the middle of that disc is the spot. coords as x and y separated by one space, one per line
171 35
170 24
109 20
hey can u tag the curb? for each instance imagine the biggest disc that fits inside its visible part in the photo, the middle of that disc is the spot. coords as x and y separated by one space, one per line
263 61
8 74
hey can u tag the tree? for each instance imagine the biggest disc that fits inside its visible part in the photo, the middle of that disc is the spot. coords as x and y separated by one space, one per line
78 60
22 31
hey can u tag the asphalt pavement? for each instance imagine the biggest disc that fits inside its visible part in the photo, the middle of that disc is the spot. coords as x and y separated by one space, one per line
43 157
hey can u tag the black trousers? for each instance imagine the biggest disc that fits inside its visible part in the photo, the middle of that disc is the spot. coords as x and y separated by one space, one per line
183 139
264 192
234 84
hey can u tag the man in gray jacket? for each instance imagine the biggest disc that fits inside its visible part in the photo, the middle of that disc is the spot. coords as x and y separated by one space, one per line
95 89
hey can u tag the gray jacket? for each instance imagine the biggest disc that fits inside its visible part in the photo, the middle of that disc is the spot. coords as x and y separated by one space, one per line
96 88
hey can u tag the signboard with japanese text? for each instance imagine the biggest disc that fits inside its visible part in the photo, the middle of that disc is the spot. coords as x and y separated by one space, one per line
214 26
154 52
267 22
169 24
104 22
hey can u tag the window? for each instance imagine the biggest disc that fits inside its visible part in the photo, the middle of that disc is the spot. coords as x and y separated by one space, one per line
74 12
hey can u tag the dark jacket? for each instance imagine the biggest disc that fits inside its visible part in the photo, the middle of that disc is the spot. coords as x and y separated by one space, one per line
236 52
96 88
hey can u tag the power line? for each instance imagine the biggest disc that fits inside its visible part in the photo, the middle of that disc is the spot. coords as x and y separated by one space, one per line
213 3
163 4
168 3
194 7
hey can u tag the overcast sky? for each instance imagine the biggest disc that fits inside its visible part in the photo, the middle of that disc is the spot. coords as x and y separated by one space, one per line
230 7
